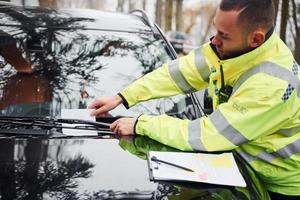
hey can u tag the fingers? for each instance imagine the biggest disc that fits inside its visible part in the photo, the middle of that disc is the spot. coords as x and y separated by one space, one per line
100 106
95 104
114 125
99 112
123 126
104 104
115 128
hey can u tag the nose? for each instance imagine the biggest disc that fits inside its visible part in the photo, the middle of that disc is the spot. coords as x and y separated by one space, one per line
216 40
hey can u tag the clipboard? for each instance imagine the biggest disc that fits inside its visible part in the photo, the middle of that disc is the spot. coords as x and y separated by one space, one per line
216 169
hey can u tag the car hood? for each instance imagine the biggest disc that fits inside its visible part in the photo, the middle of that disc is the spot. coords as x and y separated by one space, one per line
97 168
83 168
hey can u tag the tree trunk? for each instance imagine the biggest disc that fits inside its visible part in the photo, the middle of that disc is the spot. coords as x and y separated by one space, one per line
90 4
158 12
276 4
131 5
284 19
192 19
144 4
295 12
120 6
179 18
208 27
168 14
48 3
297 48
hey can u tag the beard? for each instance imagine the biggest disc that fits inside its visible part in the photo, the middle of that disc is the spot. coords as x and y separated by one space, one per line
230 54
233 54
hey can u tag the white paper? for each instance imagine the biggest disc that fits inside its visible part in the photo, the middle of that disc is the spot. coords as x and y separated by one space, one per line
83 114
208 168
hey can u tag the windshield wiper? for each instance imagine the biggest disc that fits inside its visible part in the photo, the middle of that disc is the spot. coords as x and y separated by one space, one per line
24 132
11 124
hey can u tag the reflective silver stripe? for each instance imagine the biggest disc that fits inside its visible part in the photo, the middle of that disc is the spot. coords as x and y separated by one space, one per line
226 129
201 65
271 69
179 78
284 153
268 157
195 135
262 156
246 156
289 150
290 131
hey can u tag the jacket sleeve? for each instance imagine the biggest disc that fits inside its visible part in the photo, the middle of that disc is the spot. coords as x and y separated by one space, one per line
184 75
259 107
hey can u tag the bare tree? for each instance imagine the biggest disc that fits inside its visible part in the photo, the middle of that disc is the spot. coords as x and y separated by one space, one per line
158 12
297 31
284 19
131 5
276 4
48 3
120 6
168 14
191 17
144 4
208 27
179 15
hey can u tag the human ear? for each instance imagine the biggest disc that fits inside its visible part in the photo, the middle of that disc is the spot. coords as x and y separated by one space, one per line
258 37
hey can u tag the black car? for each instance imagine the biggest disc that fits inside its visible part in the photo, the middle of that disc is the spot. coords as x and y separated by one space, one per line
62 59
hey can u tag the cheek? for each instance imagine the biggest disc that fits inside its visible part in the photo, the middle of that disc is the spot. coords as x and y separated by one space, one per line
229 45
233 45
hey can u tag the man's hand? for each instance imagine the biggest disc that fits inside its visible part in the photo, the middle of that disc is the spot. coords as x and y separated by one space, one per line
123 126
104 104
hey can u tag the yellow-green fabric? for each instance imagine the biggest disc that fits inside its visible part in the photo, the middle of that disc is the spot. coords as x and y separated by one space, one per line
261 119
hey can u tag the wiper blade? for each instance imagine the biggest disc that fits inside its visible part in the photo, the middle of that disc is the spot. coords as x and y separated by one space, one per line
80 121
46 133
7 123
48 120
24 132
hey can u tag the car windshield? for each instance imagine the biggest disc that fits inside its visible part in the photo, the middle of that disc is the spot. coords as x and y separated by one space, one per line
71 67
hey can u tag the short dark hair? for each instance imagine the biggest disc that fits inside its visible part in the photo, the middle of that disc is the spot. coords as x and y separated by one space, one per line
254 13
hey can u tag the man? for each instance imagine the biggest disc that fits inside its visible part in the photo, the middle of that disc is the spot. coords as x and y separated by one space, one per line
254 82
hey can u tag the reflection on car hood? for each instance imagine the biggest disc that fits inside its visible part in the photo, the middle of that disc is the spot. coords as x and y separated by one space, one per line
85 169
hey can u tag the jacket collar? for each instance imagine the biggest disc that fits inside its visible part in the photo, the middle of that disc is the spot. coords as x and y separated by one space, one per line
234 67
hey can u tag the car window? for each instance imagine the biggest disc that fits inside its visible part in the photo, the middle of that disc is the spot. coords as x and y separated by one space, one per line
71 67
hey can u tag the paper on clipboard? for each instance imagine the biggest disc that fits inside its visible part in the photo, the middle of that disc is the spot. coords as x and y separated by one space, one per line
83 114
218 169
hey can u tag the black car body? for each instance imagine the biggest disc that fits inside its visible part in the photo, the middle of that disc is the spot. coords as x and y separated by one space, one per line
77 55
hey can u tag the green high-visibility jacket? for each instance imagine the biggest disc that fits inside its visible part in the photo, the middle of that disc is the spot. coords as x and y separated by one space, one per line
261 119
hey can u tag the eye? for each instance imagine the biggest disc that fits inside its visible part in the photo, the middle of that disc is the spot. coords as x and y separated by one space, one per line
224 37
